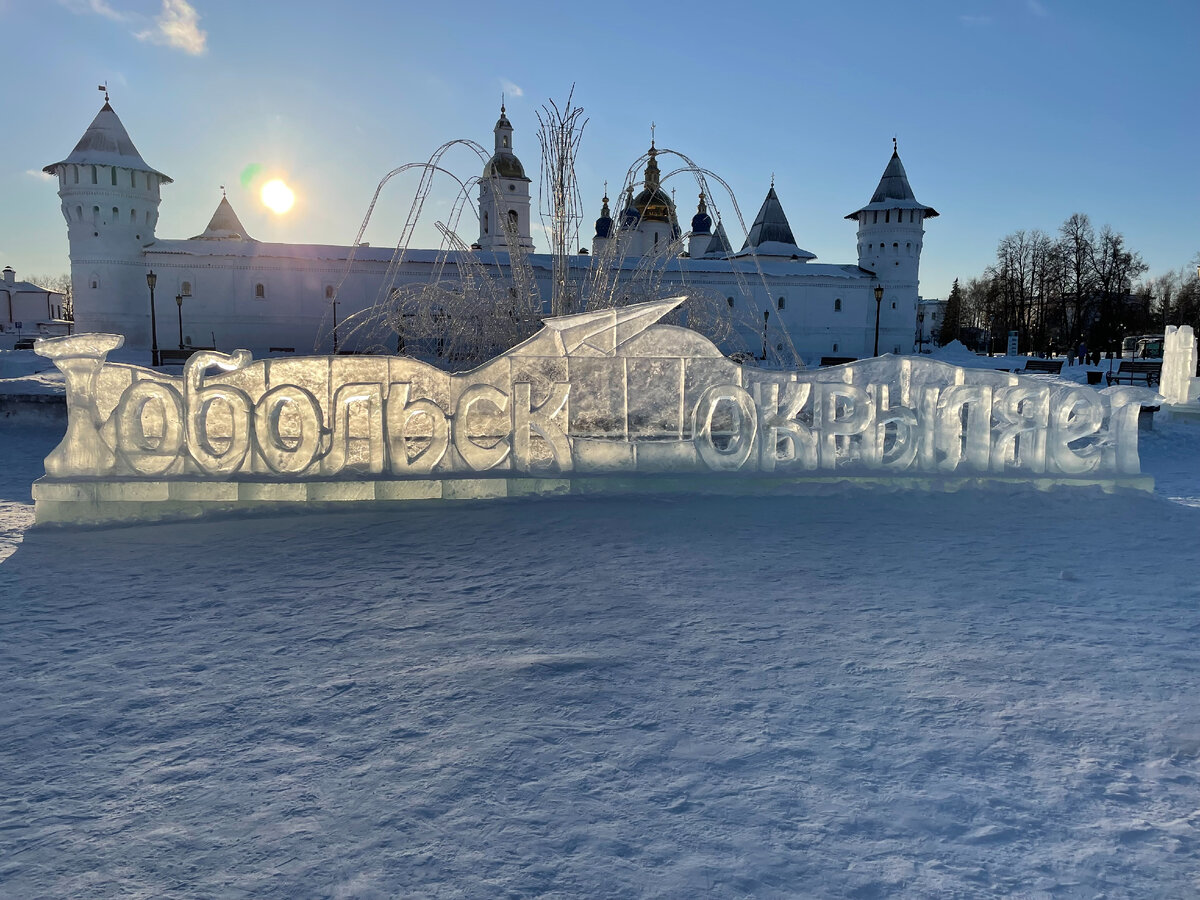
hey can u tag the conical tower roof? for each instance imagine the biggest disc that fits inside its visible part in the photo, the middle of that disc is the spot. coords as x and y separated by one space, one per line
224 225
894 191
771 235
106 143
719 245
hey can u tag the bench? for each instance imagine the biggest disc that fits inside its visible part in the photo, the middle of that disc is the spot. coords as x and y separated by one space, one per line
837 360
1131 371
1043 366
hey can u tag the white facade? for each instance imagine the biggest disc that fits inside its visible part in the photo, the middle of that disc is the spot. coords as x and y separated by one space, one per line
27 309
238 292
929 323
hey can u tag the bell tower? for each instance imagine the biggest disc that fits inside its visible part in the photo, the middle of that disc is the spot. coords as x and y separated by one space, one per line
504 195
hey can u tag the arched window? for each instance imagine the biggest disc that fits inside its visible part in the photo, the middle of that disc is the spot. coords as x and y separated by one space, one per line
94 281
896 246
835 348
837 305
185 289
730 299
132 178
94 175
95 215
116 215
485 223
260 292
875 219
148 222
513 220
76 168
79 213
113 170
133 217
504 142
893 304
780 303
887 216
329 292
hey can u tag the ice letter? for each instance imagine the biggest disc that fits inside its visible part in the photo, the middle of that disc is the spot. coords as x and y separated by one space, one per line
777 426
1074 413
741 441
232 428
905 438
80 357
292 453
400 414
976 400
1023 415
144 454
478 456
526 419
857 416
345 399
1121 449
927 428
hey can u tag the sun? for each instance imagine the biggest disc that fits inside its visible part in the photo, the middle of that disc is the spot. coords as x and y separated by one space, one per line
277 196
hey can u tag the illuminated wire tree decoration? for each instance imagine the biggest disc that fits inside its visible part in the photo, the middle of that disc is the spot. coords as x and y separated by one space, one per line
559 133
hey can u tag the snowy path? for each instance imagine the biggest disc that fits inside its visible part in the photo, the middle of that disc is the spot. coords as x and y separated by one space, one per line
860 695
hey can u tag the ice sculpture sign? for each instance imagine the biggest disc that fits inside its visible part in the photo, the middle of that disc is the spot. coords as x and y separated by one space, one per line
585 404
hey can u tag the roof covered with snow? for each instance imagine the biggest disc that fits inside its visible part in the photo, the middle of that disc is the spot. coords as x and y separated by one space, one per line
224 225
894 191
301 253
771 235
106 143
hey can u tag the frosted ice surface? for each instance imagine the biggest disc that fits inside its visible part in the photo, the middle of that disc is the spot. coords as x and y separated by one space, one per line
606 391
1179 383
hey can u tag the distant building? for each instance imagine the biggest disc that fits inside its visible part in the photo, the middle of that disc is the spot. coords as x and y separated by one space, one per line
235 291
28 309
930 314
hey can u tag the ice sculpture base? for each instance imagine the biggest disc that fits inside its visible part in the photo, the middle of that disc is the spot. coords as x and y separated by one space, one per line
90 502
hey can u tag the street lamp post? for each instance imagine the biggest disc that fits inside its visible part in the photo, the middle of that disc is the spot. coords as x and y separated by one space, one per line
766 316
151 280
335 349
179 303
878 303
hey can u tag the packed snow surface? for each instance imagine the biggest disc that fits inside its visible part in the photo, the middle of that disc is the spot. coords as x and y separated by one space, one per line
857 694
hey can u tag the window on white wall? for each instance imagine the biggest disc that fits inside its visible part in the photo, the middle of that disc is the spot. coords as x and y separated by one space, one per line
260 291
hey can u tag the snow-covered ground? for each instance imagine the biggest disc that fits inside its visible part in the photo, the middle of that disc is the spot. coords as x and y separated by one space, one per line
860 694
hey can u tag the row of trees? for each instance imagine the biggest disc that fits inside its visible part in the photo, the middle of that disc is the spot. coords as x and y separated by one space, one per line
1058 290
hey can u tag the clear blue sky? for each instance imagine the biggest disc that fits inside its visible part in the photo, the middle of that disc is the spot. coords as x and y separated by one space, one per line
1010 114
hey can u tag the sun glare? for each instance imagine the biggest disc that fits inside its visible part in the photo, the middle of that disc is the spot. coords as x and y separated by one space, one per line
277 196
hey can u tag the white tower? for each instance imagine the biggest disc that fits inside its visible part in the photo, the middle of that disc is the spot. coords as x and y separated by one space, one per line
604 227
504 195
110 200
701 234
890 232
